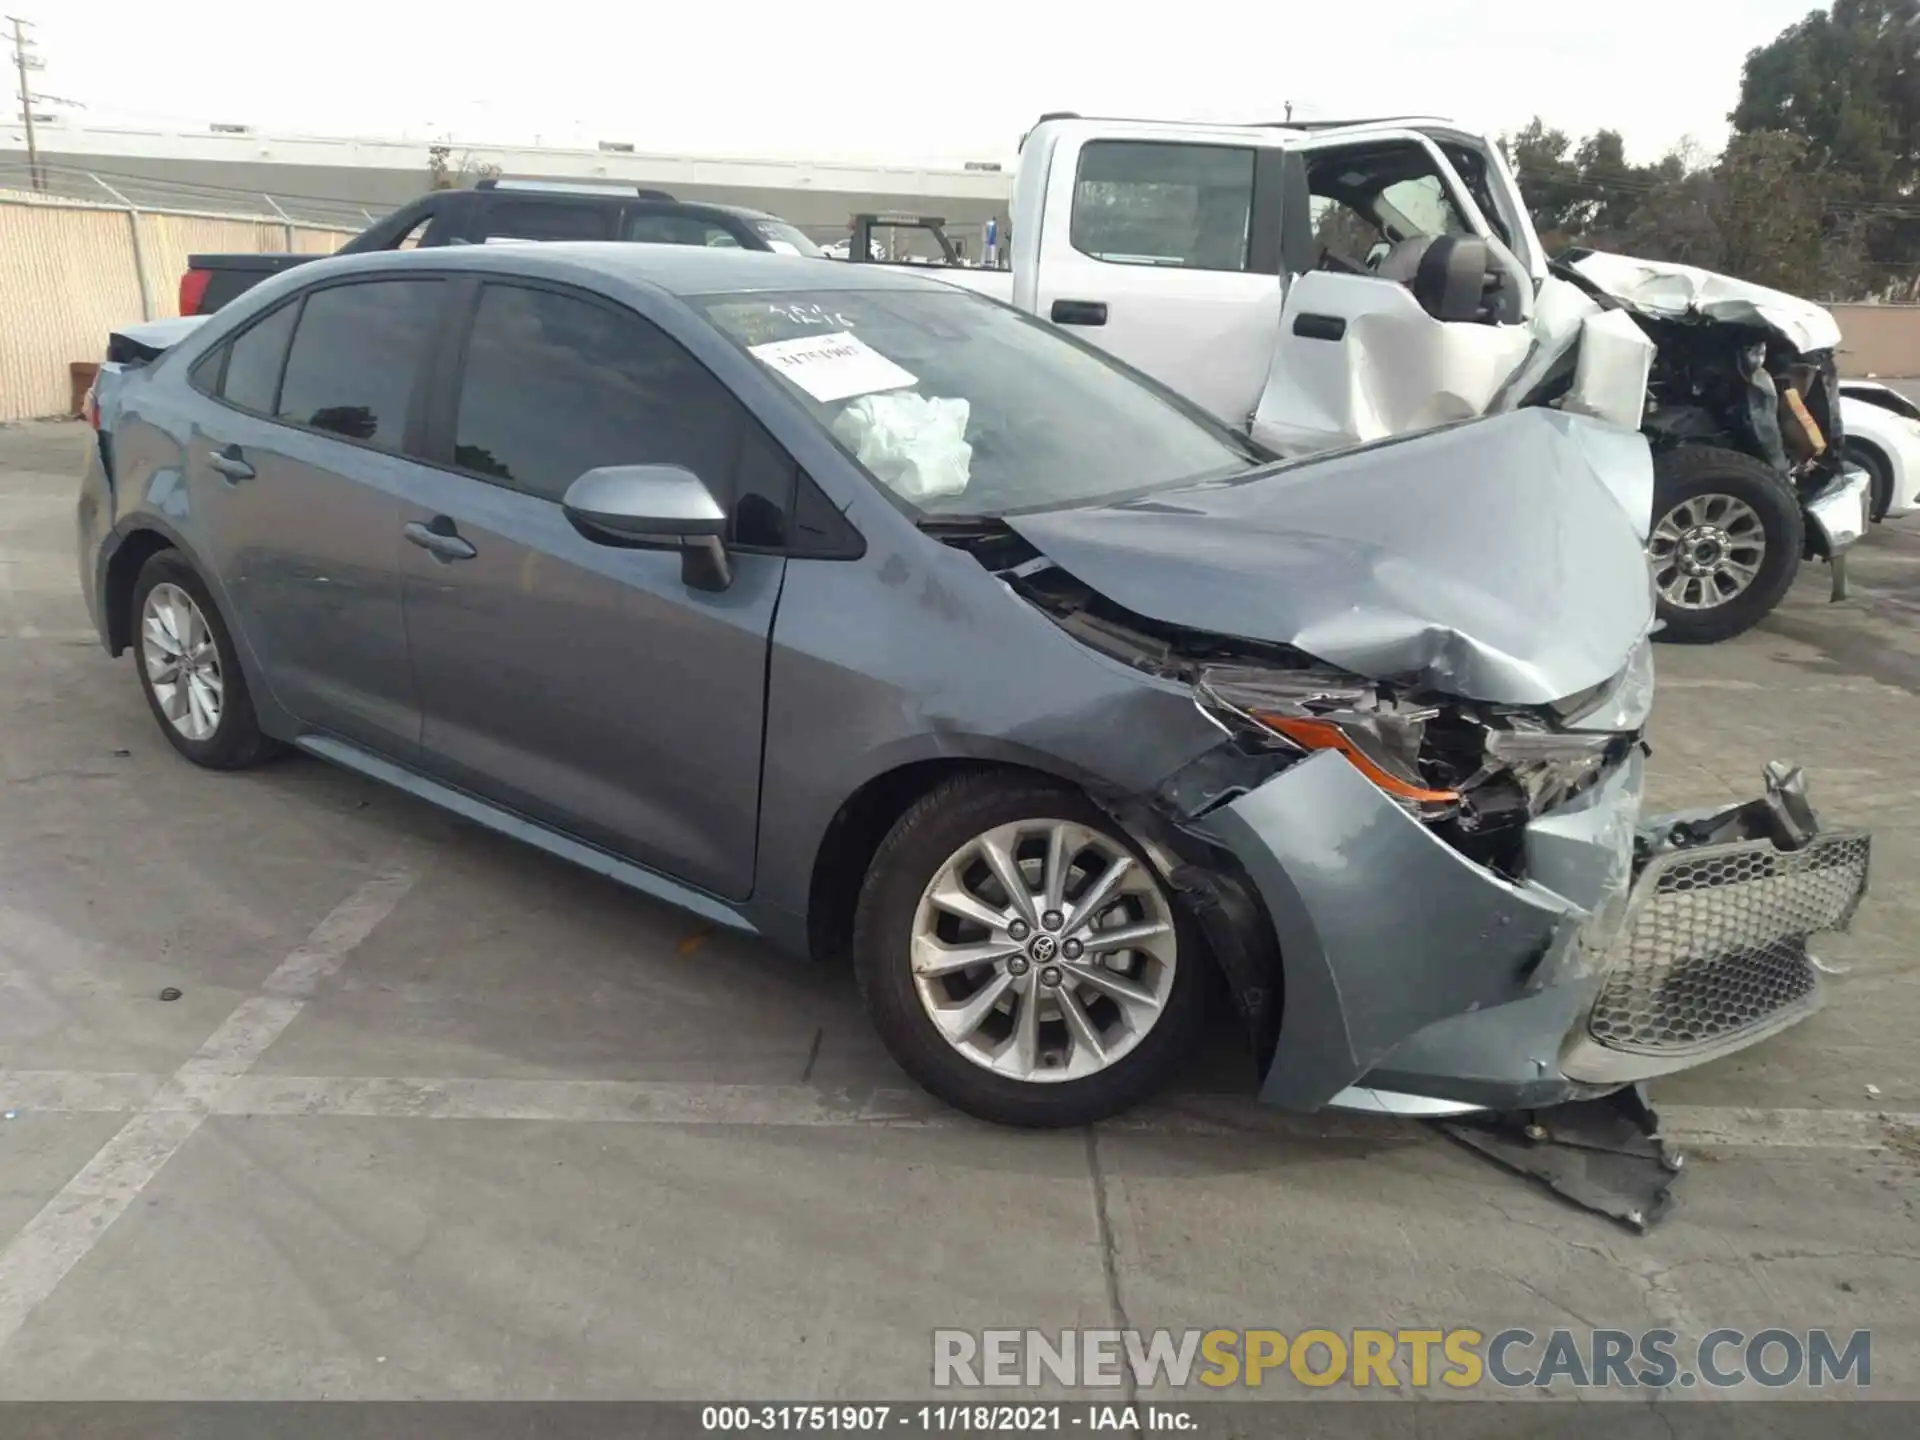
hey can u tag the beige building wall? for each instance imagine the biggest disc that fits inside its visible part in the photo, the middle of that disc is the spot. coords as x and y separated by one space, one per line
1881 340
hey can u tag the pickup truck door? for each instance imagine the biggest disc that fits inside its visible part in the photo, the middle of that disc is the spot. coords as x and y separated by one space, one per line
1162 251
1356 357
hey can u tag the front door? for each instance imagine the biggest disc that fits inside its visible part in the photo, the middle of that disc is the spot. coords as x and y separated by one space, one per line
586 686
297 474
1357 357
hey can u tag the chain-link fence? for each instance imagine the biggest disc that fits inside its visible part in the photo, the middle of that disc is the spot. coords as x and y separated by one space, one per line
72 269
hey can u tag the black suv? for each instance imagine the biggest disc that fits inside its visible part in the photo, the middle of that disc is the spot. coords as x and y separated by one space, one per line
512 210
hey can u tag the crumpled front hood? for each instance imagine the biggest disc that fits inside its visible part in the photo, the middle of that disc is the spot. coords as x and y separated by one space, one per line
1491 560
1658 288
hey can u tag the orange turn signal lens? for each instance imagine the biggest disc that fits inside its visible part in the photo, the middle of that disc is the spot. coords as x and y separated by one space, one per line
1325 735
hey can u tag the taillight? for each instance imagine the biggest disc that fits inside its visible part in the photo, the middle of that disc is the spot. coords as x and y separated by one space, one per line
193 290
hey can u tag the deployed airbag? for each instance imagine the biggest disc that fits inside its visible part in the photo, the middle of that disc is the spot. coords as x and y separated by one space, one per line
915 445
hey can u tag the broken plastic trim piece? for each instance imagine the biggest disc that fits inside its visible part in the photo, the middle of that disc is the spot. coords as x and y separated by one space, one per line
1604 1155
1783 815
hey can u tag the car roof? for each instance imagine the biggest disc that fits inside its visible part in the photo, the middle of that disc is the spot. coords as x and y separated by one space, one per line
680 270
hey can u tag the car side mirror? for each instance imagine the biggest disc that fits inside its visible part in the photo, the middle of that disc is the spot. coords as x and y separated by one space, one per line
654 507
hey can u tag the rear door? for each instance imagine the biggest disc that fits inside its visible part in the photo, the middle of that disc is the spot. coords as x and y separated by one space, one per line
1165 252
1355 357
297 474
579 684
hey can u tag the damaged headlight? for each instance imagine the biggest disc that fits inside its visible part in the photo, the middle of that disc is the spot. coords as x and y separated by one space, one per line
1479 769
1309 710
1549 766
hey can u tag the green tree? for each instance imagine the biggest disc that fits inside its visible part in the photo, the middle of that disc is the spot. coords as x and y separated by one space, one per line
1549 180
1847 81
1612 187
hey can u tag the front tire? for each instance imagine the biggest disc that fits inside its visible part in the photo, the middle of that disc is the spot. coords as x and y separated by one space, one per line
1726 542
189 670
1020 958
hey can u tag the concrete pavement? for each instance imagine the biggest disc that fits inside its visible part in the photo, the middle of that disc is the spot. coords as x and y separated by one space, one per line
439 1117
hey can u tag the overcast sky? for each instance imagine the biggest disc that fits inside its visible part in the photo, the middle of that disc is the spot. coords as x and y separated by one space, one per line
895 79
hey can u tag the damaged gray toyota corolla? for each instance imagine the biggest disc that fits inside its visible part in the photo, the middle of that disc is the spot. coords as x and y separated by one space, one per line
864 614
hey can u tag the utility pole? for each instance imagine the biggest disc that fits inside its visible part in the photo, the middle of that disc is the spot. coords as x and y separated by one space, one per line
22 63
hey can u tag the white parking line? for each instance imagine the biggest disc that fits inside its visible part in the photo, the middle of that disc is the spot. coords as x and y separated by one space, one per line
72 1222
579 1102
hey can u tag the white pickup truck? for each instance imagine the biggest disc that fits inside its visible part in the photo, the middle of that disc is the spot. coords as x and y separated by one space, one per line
1321 286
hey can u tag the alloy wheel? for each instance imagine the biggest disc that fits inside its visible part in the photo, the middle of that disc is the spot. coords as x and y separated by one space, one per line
1707 550
183 662
1043 950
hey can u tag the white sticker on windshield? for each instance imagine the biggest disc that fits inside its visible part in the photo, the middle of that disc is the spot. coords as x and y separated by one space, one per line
832 367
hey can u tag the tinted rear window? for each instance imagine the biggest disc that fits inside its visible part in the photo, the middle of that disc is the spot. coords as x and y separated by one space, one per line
253 367
356 357
1156 203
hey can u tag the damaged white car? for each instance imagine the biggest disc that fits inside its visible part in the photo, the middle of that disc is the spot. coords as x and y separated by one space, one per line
1883 439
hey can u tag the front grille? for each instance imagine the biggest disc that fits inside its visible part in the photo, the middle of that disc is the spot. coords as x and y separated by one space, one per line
1714 942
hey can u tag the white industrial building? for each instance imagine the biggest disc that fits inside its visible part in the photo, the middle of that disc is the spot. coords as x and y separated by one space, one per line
234 168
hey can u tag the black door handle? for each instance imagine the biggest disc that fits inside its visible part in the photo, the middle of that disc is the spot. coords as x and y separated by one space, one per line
1079 312
439 539
231 463
1320 327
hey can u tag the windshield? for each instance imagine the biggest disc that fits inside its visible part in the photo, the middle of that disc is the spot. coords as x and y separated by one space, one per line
962 407
786 239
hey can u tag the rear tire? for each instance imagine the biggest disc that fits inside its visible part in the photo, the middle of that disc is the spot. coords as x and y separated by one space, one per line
1726 542
1111 1025
189 669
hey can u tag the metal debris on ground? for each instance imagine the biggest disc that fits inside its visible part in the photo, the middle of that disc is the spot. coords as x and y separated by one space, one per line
170 993
1604 1155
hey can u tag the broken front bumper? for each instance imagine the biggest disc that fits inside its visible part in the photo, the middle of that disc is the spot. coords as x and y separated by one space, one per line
1838 514
1417 980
